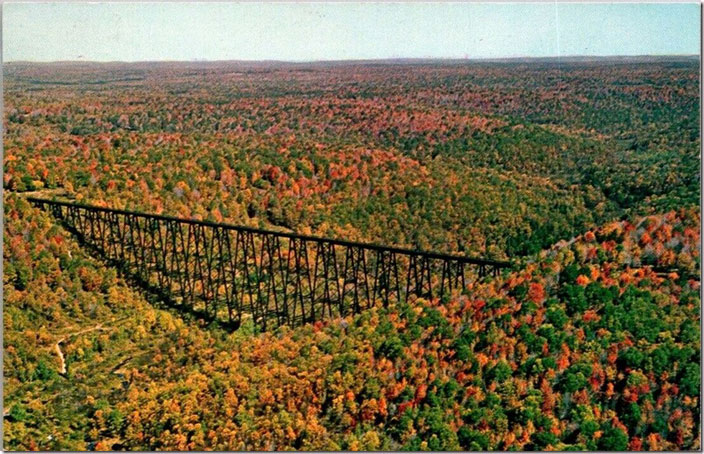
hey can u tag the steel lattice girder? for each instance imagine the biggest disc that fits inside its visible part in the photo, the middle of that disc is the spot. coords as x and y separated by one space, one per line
223 272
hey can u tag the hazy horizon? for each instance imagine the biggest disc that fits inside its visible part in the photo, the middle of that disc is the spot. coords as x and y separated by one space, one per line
330 32
378 60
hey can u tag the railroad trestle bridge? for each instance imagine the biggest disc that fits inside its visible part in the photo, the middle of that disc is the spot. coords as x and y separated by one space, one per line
223 272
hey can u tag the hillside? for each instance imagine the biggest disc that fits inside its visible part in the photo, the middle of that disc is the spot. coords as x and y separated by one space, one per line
585 348
585 174
487 159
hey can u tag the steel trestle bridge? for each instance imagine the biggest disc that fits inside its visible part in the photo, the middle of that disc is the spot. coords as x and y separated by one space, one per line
223 272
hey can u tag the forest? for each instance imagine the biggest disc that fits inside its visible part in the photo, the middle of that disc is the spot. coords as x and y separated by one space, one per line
584 174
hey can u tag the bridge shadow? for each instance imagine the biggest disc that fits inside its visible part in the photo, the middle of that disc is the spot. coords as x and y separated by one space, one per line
155 295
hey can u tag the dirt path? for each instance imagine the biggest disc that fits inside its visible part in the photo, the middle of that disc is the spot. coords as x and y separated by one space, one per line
42 193
57 346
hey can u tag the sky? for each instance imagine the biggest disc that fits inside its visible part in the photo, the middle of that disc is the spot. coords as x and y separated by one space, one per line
343 31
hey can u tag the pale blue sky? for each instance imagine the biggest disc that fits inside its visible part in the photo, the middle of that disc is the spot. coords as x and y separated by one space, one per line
338 31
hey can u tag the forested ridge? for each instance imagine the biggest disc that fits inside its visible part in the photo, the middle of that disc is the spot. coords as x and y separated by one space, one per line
443 157
585 174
